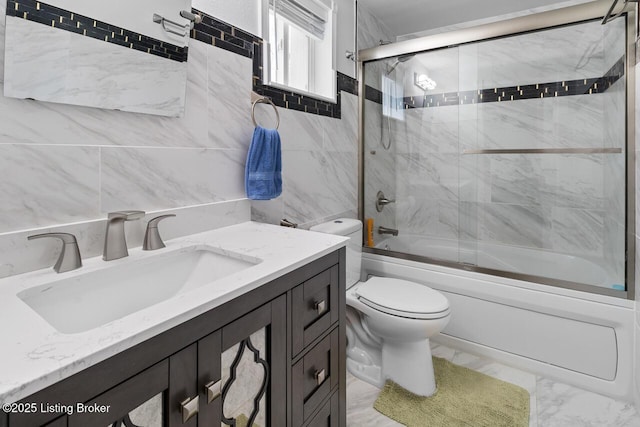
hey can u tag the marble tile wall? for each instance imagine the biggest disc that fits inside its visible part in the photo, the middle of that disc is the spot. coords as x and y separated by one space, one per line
380 166
65 167
54 65
565 53
380 132
319 172
107 24
565 203
427 173
614 105
491 19
370 31
614 173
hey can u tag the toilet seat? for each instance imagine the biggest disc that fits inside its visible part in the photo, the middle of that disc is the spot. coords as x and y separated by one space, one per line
402 298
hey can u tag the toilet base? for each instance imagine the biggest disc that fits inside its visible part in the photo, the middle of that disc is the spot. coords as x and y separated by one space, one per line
409 365
371 374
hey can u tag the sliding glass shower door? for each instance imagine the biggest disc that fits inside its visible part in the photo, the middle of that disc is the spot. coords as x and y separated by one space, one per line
505 155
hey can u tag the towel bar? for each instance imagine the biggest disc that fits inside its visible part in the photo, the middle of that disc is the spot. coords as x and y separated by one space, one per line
264 100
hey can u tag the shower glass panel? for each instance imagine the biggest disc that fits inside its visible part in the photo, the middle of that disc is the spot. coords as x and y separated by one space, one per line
506 156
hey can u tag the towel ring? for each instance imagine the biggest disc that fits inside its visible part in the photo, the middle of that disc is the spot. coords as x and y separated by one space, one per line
264 101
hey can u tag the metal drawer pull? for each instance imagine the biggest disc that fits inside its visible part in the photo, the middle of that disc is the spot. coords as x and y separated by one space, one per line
189 408
214 389
320 306
319 376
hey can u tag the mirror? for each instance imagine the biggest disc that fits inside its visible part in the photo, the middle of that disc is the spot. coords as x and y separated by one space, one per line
116 55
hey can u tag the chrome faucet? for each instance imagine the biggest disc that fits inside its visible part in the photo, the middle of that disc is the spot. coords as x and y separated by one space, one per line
382 201
69 258
286 223
115 244
385 230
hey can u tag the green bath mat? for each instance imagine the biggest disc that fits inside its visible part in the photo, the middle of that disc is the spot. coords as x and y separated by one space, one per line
464 398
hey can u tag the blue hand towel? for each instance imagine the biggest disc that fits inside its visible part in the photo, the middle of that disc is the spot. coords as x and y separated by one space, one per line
263 173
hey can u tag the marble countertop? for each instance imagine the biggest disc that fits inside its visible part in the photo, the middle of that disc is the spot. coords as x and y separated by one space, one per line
35 355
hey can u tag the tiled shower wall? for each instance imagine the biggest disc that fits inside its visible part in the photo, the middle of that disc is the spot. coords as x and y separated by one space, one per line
72 165
381 163
614 167
555 202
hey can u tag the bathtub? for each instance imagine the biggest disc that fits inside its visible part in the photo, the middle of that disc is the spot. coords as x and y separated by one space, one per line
575 337
506 258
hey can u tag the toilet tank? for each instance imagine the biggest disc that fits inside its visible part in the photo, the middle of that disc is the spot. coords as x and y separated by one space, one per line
351 228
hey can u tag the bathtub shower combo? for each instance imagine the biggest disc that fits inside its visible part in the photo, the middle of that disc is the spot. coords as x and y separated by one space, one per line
498 169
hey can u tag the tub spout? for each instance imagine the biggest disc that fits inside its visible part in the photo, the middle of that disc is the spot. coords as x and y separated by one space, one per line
385 230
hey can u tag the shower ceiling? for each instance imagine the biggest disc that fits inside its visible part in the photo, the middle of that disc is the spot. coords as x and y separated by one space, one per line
405 17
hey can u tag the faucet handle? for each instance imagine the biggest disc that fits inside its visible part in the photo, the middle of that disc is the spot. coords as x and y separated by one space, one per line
286 223
152 239
69 258
126 215
382 201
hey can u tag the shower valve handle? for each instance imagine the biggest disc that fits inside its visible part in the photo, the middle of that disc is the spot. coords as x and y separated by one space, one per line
382 201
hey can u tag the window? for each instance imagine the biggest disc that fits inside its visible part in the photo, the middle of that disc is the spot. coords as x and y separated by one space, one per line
392 98
300 46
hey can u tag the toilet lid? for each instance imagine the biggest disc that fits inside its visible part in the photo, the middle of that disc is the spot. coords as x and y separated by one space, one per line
403 298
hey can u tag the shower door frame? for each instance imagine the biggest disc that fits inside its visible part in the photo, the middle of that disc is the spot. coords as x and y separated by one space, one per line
535 22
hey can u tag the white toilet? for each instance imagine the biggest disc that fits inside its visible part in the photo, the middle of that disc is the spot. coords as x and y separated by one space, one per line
389 321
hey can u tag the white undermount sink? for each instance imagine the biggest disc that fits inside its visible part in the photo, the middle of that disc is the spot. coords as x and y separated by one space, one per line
85 301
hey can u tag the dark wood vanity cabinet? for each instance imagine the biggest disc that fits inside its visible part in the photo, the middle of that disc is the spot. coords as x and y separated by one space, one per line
272 357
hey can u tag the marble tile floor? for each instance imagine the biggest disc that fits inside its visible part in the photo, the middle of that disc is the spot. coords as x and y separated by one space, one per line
553 404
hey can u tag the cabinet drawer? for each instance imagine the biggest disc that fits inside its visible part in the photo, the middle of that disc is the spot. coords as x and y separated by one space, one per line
313 377
328 415
314 308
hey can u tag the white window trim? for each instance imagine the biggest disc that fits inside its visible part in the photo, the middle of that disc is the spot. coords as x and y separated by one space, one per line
266 59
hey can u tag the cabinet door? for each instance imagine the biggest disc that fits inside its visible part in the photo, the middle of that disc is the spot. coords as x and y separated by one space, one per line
137 402
183 397
58 422
162 395
242 370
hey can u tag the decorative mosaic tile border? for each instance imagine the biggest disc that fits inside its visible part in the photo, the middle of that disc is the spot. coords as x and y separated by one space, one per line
220 34
52 16
512 93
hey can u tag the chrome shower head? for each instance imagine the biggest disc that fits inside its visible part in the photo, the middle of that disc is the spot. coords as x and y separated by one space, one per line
398 60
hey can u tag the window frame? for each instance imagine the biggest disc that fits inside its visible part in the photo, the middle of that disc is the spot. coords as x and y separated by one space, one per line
313 66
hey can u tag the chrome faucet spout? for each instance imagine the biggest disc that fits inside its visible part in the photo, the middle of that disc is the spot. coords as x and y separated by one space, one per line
115 243
385 230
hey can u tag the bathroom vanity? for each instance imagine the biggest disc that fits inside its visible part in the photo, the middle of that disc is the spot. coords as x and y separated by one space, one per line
181 361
